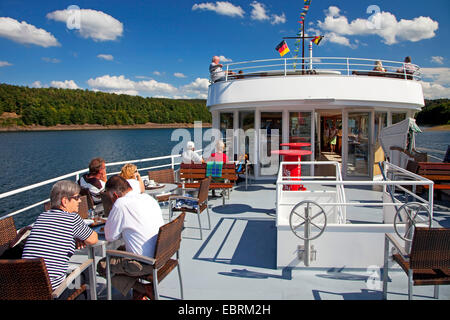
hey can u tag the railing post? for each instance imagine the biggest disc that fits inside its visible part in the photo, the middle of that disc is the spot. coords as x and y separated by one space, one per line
172 160
348 67
285 67
226 75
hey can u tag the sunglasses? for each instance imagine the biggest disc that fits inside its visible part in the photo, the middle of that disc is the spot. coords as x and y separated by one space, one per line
77 197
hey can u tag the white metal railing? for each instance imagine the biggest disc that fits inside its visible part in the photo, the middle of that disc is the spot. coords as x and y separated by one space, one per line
410 179
76 175
318 65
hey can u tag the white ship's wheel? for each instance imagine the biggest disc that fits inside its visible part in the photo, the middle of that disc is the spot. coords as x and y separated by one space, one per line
304 215
409 216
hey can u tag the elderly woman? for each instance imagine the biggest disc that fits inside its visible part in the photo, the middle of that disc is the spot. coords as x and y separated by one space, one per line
189 156
219 155
56 232
130 173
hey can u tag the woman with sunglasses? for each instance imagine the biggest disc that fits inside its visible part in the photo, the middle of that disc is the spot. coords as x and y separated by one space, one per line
58 232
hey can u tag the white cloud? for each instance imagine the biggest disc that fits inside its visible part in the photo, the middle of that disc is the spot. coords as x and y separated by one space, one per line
179 75
438 84
157 73
221 7
96 25
51 60
5 64
36 84
24 33
197 89
437 59
107 57
260 13
120 84
382 24
278 19
68 84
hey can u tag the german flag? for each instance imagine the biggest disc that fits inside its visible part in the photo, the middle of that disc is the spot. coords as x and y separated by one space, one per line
317 40
282 48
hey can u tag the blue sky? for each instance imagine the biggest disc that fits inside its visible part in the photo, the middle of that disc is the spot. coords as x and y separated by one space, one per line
163 48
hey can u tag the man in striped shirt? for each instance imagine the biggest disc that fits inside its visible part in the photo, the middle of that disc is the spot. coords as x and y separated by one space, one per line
56 231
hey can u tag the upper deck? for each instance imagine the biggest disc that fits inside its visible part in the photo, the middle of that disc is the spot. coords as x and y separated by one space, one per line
327 82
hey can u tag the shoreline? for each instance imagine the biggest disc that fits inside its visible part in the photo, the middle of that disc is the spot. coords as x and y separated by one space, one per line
444 127
75 127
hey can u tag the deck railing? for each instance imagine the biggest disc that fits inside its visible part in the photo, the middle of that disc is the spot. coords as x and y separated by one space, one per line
171 161
317 66
408 179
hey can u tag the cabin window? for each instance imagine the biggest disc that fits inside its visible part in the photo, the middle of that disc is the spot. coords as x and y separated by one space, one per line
398 116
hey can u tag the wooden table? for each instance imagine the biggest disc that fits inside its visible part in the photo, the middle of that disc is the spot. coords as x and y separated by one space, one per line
293 170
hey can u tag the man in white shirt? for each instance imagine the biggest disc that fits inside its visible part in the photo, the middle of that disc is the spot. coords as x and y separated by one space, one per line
189 156
136 218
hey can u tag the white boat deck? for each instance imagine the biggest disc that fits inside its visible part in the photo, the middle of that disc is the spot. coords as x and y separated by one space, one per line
236 260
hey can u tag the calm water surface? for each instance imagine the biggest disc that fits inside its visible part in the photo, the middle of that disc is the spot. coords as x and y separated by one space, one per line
31 157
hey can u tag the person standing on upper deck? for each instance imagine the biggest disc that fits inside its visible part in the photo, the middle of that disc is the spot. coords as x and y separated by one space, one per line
95 180
215 70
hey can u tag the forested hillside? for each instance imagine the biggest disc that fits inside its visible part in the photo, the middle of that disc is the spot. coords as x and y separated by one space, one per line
435 112
51 106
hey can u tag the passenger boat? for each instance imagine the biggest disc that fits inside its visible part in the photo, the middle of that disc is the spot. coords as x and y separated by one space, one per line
259 246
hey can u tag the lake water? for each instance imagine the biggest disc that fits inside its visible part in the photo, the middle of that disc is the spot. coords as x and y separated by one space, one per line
31 157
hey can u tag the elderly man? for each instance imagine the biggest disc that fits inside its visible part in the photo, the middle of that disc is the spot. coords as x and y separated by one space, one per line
136 218
215 69
56 232
95 180
189 156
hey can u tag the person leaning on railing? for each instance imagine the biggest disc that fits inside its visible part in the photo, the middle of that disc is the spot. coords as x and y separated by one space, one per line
215 70
408 67
58 232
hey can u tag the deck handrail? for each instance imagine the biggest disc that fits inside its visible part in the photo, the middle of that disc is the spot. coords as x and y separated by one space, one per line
76 174
339 183
349 65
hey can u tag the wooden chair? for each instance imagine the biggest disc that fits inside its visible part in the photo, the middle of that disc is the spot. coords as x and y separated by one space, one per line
27 279
83 208
90 200
201 201
9 236
107 203
427 264
167 245
162 176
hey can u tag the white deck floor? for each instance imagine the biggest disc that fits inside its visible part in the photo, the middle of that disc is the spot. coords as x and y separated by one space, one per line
237 257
